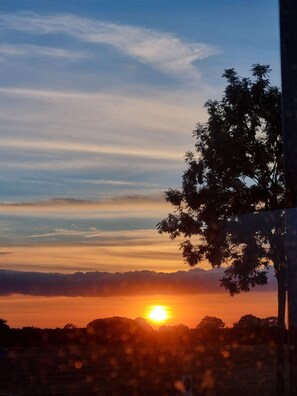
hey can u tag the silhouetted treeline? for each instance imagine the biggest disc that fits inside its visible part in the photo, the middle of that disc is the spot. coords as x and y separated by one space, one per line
118 330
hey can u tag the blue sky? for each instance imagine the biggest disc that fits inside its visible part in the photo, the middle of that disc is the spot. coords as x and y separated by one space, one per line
98 100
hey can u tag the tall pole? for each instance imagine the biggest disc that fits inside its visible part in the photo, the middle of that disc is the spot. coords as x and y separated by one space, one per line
288 28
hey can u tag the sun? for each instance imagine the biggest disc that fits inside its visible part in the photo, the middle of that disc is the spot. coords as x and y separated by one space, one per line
158 313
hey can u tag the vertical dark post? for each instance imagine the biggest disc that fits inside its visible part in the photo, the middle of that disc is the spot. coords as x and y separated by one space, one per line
288 25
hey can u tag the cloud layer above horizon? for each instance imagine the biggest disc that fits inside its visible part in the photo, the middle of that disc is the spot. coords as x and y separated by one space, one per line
106 284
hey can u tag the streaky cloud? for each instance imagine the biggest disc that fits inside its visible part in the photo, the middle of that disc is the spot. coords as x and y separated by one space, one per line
29 50
88 148
128 202
106 284
162 51
123 206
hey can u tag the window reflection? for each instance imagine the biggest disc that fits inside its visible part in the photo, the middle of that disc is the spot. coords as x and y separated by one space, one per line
98 101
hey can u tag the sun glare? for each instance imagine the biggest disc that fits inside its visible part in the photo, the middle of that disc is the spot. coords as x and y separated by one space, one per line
158 313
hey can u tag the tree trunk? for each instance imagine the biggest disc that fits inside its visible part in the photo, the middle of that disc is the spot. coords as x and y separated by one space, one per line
281 297
280 371
288 17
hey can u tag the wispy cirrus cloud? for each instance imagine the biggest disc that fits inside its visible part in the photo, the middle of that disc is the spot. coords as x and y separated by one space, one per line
123 207
147 235
29 50
88 148
148 109
161 51
109 250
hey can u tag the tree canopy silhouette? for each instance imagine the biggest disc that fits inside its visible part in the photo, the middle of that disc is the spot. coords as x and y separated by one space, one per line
251 321
210 323
229 210
3 324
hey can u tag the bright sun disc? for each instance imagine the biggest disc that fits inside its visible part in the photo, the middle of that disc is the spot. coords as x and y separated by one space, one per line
158 314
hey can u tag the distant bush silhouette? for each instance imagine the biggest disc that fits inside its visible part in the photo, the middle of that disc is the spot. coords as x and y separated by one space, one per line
3 325
251 321
118 329
211 323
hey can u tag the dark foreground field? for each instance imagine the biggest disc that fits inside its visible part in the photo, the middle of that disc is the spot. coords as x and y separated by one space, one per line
138 370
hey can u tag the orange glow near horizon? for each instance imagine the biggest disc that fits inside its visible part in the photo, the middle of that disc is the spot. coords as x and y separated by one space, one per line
158 314
50 312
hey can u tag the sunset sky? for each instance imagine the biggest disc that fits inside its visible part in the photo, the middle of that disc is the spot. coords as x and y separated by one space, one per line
98 100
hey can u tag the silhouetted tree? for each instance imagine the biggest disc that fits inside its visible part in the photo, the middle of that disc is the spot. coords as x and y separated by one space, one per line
3 324
211 323
144 324
248 322
230 208
271 321
251 321
117 329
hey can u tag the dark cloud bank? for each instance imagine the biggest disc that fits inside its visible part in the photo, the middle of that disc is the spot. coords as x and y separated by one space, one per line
105 284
